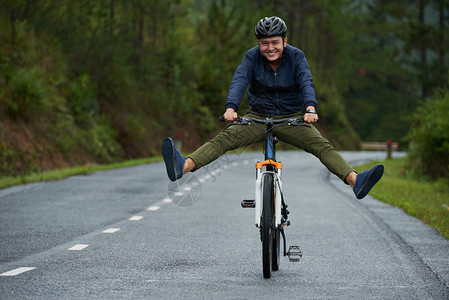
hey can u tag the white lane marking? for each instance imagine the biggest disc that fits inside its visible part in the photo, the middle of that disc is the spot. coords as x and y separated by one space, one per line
17 271
153 208
111 230
167 200
78 247
135 218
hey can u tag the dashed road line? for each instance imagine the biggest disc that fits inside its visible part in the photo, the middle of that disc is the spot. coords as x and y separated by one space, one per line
111 230
78 247
17 271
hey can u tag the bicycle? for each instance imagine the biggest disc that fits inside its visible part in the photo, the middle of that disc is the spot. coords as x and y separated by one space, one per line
271 214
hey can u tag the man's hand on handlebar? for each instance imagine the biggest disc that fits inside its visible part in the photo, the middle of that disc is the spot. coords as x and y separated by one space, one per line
230 115
310 117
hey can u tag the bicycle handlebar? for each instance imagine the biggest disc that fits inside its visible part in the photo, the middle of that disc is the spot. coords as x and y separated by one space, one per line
247 121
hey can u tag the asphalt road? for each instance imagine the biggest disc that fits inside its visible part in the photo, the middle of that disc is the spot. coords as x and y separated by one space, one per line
129 233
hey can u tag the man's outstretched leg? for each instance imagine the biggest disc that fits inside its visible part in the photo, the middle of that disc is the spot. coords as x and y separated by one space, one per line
311 140
231 138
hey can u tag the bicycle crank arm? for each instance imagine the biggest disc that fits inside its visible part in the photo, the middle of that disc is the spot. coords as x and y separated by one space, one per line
283 239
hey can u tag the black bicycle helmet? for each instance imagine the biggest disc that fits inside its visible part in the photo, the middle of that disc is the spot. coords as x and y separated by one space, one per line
270 26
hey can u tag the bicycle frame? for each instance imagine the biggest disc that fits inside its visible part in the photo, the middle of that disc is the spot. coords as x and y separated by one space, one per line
271 212
273 168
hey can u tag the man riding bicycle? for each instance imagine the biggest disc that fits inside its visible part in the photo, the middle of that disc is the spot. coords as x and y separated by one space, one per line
280 85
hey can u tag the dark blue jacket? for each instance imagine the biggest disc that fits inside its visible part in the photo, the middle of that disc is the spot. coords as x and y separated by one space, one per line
288 90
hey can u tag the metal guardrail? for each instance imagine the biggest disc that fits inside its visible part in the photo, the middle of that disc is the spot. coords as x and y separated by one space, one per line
388 146
379 146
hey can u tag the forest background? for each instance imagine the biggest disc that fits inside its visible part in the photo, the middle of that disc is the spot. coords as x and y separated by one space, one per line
85 82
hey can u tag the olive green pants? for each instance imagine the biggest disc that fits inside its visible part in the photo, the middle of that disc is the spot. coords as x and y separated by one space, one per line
304 137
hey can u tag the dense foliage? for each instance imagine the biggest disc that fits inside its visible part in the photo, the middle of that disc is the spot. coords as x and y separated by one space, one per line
429 151
100 81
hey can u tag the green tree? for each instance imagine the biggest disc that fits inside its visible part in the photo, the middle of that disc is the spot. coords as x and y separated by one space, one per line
381 87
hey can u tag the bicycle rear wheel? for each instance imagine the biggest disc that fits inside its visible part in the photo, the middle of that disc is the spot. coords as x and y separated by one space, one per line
267 227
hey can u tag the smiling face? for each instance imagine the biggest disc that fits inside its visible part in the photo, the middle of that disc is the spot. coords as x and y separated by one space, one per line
272 47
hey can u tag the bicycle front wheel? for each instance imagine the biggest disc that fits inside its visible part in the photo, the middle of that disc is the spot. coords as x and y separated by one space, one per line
267 225
276 249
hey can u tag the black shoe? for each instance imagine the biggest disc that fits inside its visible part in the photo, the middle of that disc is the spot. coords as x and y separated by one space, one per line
366 180
174 162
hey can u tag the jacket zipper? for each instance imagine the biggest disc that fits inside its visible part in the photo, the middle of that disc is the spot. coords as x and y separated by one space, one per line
276 85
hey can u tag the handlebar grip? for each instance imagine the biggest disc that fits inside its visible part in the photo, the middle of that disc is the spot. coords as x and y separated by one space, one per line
239 119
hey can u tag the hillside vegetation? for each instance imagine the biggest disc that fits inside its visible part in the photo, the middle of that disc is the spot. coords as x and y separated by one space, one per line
88 82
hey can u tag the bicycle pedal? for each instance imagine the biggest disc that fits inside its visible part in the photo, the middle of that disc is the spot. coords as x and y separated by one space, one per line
294 253
248 203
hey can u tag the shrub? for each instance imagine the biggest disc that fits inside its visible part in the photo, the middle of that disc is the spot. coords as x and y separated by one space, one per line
429 136
26 94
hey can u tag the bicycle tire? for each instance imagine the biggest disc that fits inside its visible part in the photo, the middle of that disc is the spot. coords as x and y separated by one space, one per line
267 229
276 250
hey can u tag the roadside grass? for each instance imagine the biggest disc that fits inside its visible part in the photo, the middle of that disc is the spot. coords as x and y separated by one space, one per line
427 201
63 173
